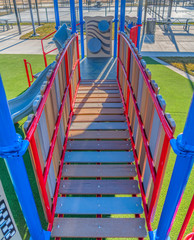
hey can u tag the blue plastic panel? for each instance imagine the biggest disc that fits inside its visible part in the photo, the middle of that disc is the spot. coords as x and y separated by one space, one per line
103 26
94 45
100 125
103 157
102 205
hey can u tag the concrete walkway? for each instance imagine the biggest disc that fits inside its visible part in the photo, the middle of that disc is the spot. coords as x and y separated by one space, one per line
10 42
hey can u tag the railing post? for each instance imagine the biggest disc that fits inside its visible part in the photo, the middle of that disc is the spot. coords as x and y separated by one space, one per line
183 146
57 20
187 218
139 22
27 73
81 28
122 16
12 148
116 26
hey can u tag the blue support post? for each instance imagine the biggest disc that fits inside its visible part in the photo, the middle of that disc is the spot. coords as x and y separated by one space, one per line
57 19
73 16
81 28
183 146
139 22
116 26
12 148
122 16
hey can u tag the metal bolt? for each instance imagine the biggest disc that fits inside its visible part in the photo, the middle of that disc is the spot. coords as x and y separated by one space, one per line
58 226
98 186
99 226
139 227
64 186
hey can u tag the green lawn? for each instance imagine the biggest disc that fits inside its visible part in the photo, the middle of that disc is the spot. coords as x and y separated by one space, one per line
175 89
185 64
13 72
177 92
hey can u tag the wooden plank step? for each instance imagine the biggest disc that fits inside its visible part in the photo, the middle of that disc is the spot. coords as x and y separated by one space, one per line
99 157
98 91
98 118
98 100
99 228
96 205
98 145
81 134
100 87
106 187
98 95
98 105
103 84
104 111
105 171
98 80
98 126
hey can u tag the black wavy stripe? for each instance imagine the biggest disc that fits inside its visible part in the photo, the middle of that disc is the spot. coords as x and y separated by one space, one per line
98 35
104 44
105 51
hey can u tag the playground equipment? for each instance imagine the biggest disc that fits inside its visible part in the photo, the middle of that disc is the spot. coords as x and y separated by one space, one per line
21 106
99 36
111 128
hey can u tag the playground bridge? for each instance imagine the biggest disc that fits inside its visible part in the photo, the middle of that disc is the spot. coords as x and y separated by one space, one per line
99 141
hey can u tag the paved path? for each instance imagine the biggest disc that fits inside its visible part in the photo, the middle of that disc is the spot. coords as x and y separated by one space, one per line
182 73
10 43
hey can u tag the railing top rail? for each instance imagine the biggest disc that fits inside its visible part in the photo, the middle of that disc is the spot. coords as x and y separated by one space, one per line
33 126
160 112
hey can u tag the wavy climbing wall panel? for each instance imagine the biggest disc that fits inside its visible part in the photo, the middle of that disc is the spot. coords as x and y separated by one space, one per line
99 36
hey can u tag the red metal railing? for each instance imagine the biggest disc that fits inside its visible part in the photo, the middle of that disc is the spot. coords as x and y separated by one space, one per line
26 64
157 177
42 177
43 51
185 223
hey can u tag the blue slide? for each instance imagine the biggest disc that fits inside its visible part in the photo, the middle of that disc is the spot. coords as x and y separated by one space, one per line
21 106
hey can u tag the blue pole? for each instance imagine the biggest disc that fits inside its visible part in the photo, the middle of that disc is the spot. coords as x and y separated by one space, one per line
73 17
183 146
122 16
81 28
57 20
116 26
139 22
12 148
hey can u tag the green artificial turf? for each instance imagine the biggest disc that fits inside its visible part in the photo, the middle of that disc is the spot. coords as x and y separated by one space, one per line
175 89
13 72
177 92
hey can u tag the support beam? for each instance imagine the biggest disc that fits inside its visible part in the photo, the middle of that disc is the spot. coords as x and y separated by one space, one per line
122 16
17 18
81 28
12 148
32 18
37 11
170 9
73 16
183 146
139 22
116 27
57 19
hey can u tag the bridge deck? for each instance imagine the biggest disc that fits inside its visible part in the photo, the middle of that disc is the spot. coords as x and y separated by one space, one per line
100 180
